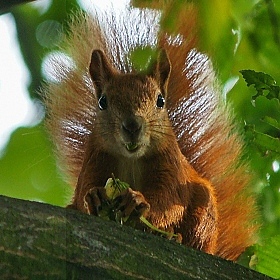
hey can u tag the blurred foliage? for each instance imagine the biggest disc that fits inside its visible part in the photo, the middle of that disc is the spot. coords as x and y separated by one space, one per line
238 35
27 165
39 33
266 258
28 168
266 142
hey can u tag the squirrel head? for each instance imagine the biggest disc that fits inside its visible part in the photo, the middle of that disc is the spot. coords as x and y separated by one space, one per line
132 119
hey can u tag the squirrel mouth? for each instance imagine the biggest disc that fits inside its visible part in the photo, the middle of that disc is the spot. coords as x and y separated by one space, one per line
131 147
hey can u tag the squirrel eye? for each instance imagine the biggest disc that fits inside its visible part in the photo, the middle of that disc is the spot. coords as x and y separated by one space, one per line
160 101
102 102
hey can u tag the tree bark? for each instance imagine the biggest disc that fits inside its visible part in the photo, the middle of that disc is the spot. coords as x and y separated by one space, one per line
40 241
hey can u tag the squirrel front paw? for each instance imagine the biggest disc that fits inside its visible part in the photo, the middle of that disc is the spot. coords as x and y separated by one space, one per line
94 199
132 202
127 203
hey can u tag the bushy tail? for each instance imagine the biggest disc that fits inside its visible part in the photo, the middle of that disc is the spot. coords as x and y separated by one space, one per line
211 142
202 123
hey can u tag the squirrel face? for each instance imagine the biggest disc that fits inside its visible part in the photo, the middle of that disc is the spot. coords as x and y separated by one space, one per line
132 120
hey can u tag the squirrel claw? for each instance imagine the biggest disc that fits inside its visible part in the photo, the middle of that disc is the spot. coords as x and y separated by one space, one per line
93 200
133 201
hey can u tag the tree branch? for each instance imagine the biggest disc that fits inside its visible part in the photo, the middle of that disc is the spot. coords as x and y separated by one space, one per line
39 240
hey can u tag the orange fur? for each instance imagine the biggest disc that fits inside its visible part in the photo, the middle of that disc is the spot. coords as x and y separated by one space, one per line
198 154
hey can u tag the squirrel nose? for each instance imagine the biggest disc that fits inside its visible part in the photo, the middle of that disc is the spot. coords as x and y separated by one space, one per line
132 126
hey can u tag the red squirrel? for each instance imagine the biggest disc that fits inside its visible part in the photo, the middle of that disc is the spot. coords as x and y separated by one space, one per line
165 130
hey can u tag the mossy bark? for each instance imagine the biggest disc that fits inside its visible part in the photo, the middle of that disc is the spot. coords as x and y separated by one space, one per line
40 241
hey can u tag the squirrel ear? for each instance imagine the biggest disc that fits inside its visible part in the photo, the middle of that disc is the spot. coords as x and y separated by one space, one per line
100 70
161 69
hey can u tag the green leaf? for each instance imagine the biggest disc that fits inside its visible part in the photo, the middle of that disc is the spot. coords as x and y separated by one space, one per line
272 122
267 142
266 259
262 83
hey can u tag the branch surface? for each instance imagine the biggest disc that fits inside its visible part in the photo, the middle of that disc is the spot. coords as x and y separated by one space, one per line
40 241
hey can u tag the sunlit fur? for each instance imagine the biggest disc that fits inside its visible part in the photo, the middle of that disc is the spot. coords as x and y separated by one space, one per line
198 116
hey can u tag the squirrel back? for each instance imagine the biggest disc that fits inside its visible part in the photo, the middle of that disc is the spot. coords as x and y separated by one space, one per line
200 119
